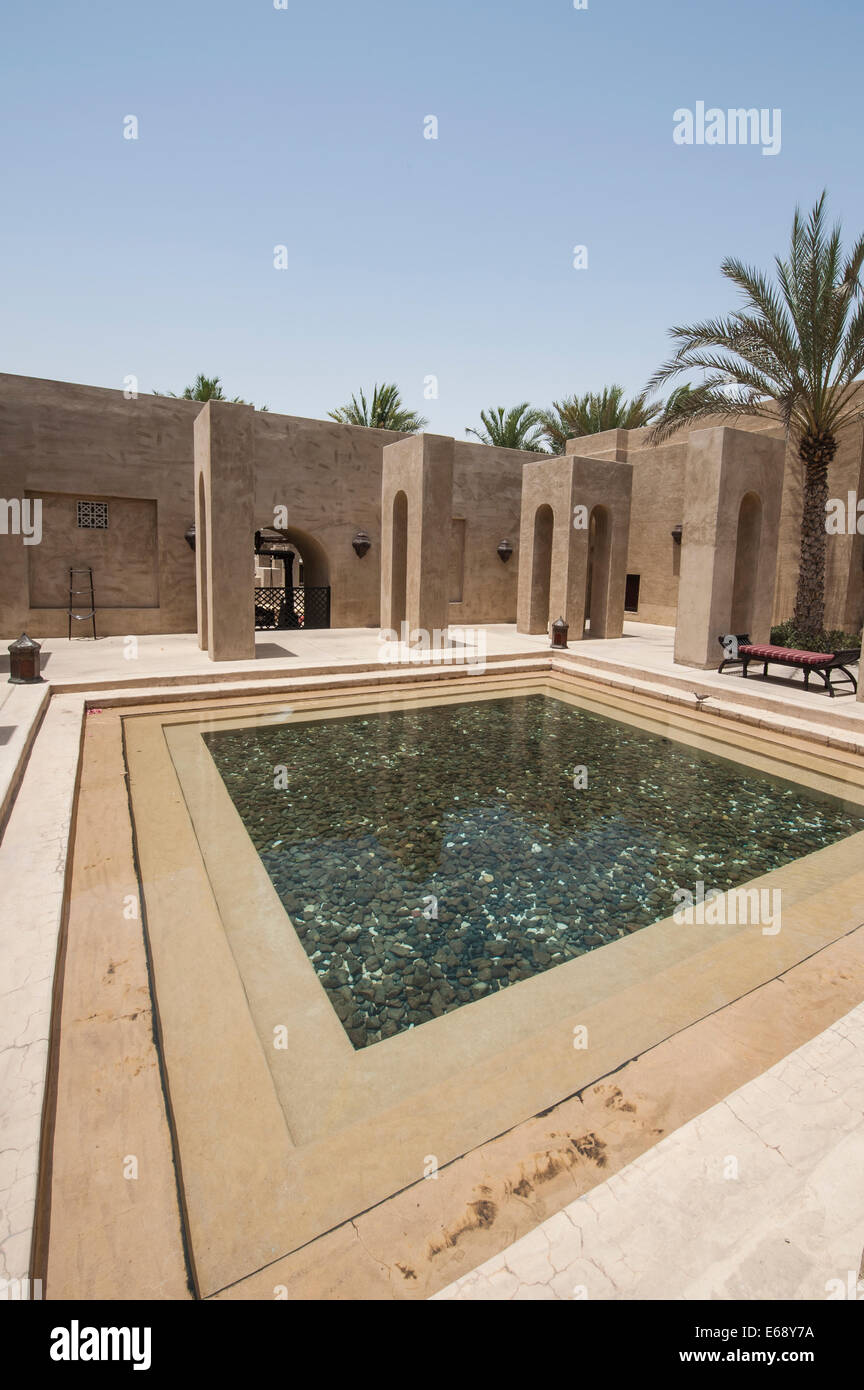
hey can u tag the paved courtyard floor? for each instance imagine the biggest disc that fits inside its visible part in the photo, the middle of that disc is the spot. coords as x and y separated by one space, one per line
772 1081
760 1197
644 649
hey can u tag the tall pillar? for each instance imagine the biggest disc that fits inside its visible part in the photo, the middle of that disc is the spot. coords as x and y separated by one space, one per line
416 514
733 491
565 502
224 530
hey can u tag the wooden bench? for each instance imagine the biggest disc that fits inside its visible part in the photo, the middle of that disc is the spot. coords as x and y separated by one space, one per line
741 650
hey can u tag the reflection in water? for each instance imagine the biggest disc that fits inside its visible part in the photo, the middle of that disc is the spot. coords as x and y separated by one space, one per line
428 857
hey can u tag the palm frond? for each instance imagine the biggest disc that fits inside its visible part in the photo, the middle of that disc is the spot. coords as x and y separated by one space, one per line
594 412
386 411
517 428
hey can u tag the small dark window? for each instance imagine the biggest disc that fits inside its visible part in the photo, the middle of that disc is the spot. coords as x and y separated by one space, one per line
631 594
93 516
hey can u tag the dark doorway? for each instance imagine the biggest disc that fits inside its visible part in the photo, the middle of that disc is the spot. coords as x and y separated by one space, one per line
286 604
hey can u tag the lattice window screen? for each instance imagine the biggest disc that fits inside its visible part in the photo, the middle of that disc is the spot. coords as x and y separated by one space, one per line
93 516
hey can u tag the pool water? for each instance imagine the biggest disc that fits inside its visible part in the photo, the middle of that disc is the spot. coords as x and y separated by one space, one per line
431 856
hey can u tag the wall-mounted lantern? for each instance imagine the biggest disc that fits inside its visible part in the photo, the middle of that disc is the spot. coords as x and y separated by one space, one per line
677 532
361 543
505 550
24 661
559 633
189 536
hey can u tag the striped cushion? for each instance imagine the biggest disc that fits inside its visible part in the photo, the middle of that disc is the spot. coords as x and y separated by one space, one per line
787 654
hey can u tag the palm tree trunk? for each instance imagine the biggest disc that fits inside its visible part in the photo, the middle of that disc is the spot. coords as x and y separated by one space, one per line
815 452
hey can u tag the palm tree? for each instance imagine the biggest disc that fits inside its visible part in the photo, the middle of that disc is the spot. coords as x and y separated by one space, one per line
513 429
595 412
385 413
795 351
206 388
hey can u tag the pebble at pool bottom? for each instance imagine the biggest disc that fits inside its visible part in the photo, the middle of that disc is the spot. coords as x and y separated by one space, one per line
428 857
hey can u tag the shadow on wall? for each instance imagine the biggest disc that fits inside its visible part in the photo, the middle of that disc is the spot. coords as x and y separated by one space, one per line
597 580
746 561
541 574
399 563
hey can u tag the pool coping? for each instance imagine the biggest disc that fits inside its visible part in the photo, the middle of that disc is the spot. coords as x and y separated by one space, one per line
41 826
269 1217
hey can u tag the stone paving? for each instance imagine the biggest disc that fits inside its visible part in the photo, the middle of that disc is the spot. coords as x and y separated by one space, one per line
32 871
645 652
33 868
171 658
770 1178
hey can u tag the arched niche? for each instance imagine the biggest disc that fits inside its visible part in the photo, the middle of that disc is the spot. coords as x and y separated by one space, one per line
399 562
599 559
201 566
541 567
747 542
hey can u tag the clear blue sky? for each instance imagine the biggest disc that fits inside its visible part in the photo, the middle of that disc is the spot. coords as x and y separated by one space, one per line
407 256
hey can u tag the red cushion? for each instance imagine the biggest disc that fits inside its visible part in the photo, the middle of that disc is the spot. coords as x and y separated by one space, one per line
789 654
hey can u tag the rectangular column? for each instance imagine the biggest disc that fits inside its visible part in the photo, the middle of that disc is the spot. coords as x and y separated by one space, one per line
575 525
416 513
729 541
224 530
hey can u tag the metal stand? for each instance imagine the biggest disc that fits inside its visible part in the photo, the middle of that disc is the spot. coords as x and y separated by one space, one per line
89 616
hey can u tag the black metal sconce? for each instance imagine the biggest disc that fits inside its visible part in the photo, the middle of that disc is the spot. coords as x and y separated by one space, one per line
677 532
559 633
24 661
189 536
361 543
505 550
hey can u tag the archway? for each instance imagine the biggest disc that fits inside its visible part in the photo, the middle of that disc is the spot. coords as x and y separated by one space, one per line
597 580
399 563
746 562
201 566
311 555
296 569
541 568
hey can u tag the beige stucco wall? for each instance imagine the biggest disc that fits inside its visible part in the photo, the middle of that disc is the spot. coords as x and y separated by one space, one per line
86 442
487 493
726 468
658 505
416 535
124 557
89 442
554 573
328 478
74 441
224 532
